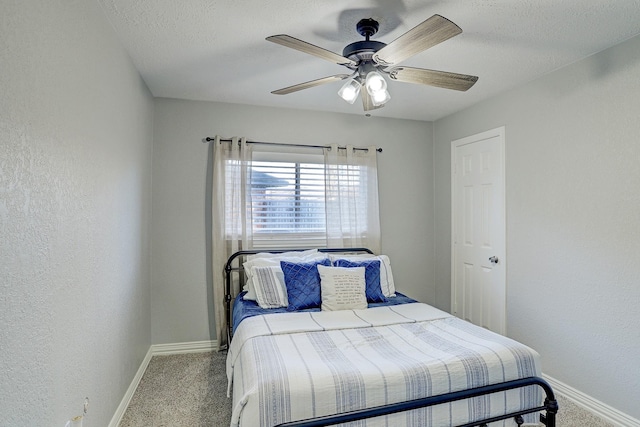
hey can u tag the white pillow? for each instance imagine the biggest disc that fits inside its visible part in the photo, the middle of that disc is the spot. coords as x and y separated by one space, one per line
274 261
342 288
270 290
386 276
294 254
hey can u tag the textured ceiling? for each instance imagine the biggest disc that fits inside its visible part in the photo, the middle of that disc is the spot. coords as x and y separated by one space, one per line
215 50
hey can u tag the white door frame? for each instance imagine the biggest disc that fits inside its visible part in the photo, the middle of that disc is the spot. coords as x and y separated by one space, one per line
500 133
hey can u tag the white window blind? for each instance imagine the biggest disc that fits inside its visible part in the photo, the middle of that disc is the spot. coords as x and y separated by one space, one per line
288 204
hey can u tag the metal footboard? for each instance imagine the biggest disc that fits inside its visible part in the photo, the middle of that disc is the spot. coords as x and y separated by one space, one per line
549 418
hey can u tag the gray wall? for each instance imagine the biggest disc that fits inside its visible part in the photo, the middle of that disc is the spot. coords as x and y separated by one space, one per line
573 219
181 284
75 186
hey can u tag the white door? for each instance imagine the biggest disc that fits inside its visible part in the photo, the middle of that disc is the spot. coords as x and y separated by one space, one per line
478 230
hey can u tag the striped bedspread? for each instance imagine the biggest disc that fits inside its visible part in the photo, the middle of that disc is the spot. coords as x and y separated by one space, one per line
291 366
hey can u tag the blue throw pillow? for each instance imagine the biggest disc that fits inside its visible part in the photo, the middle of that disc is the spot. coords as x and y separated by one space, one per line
371 277
303 283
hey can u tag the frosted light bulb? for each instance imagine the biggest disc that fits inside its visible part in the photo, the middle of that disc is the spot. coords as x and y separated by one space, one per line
375 83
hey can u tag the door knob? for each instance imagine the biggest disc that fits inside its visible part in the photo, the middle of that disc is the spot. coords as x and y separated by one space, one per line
494 259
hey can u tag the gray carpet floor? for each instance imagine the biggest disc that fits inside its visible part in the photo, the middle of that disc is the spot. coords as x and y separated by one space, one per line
181 390
190 390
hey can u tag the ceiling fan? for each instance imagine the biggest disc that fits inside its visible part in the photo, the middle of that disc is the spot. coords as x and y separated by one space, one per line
370 60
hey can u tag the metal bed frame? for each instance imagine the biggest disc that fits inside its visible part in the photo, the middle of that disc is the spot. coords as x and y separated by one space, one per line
550 406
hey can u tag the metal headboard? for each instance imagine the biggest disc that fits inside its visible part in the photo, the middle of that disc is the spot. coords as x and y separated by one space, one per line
228 269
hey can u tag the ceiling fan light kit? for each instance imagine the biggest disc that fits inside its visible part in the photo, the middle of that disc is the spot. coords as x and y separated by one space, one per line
369 60
380 97
350 90
375 82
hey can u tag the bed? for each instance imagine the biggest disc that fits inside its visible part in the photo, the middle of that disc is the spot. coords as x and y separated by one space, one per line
386 361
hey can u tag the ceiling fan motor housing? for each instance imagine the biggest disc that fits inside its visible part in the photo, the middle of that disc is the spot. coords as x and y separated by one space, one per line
355 51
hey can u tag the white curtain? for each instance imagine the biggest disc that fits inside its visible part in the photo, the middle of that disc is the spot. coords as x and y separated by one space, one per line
231 218
351 191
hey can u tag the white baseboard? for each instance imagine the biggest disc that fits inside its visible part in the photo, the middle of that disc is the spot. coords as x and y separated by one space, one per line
588 403
183 347
117 417
158 350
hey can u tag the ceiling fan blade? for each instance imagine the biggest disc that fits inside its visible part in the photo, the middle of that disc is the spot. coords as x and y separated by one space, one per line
312 83
431 32
311 49
441 79
367 103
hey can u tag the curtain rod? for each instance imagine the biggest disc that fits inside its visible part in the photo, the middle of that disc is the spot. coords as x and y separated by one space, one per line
208 139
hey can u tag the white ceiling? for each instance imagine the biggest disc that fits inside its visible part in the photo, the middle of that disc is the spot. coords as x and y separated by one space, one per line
215 50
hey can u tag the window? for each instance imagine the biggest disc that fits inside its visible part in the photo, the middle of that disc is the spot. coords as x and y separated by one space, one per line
301 200
288 203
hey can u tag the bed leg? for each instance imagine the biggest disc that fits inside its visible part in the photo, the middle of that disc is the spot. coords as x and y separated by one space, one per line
552 410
